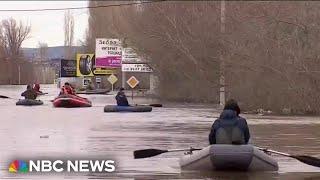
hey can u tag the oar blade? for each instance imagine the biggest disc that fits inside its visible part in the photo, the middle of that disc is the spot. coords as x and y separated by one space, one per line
144 153
153 105
156 105
313 161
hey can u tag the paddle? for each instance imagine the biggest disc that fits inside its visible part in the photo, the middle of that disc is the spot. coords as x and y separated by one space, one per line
153 105
6 97
145 153
313 161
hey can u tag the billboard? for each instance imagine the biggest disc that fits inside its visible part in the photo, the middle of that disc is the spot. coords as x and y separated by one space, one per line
108 53
68 68
136 68
129 56
85 64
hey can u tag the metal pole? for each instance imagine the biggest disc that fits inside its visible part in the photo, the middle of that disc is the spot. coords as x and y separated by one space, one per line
19 74
132 94
123 77
222 97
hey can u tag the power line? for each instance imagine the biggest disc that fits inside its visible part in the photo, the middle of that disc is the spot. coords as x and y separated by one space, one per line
73 8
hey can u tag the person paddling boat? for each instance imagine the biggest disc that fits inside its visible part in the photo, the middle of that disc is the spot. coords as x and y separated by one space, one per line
230 128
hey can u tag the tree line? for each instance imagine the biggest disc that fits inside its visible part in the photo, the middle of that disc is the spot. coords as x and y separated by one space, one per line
269 49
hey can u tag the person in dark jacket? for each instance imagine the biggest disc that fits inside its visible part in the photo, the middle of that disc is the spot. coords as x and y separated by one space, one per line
230 128
122 98
29 93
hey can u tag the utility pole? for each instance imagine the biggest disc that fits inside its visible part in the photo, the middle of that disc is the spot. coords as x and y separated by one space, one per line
222 95
19 74
123 73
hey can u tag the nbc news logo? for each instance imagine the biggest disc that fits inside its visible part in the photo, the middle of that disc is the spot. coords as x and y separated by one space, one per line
19 166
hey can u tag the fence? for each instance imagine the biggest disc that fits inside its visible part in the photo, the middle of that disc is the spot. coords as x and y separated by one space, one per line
23 72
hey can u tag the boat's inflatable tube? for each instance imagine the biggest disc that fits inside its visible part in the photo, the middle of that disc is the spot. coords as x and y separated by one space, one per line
229 157
97 91
70 101
29 102
113 108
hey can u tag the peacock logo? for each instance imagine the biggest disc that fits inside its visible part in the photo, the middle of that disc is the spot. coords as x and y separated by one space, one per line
18 166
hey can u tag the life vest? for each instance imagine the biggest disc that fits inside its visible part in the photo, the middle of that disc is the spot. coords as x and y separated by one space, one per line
67 90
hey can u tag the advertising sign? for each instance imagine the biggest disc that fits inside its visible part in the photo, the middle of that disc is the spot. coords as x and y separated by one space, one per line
136 68
68 68
129 56
108 53
85 64
103 71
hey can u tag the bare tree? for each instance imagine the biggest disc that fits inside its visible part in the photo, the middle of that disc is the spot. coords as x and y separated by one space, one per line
12 35
270 49
2 45
43 51
68 33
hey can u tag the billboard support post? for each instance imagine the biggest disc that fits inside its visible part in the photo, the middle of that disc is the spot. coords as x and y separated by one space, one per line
123 81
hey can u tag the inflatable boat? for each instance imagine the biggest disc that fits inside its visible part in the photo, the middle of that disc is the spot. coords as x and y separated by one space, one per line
70 101
114 108
229 157
97 91
29 102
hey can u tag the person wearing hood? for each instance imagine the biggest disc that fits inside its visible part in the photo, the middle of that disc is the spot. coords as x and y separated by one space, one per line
29 93
36 87
230 128
122 98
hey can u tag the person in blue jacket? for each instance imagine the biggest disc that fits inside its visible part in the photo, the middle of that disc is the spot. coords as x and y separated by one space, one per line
230 128
122 98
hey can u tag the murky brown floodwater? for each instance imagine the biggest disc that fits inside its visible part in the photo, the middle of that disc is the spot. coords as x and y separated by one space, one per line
45 131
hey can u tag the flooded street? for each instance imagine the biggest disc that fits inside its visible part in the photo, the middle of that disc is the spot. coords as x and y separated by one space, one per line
45 131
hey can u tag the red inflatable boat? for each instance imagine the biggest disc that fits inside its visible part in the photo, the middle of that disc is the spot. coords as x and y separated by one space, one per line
70 101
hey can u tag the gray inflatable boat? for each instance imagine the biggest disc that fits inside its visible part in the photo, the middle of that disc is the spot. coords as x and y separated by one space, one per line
29 102
229 157
113 108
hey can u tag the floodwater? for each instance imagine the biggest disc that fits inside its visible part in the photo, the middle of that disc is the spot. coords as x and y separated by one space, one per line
53 133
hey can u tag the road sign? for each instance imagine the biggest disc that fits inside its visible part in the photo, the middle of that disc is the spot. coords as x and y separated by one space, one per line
86 81
98 79
133 82
112 79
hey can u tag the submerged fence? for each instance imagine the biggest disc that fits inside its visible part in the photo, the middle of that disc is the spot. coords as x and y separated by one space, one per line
23 72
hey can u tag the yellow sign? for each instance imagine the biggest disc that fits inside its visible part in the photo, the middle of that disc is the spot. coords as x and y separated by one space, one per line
85 64
133 82
99 71
112 79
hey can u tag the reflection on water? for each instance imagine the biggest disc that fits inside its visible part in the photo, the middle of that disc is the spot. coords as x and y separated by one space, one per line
87 132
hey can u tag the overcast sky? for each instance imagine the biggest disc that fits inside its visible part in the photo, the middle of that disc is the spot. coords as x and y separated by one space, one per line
47 26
